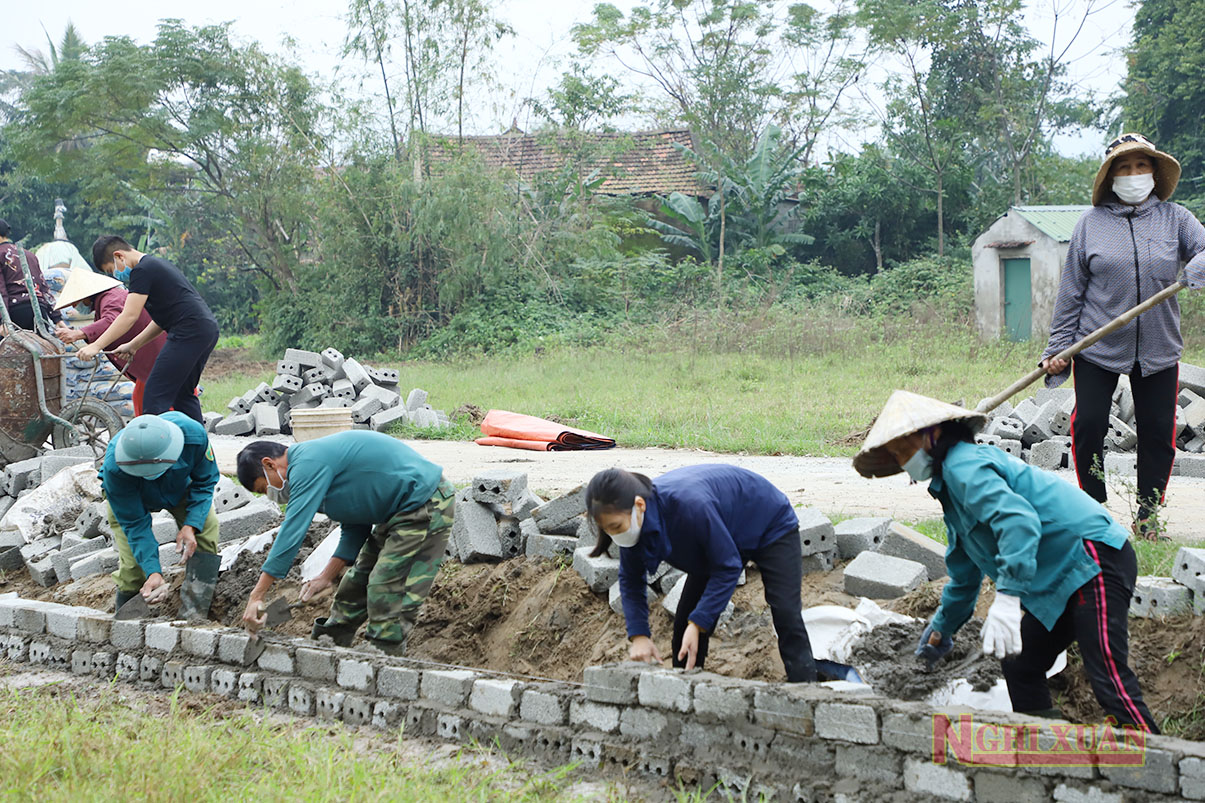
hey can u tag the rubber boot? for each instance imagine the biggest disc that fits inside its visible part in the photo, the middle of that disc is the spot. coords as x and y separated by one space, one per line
395 648
122 598
342 635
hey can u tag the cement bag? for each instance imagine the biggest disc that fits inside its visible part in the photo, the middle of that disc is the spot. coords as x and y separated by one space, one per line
832 629
316 562
53 507
256 543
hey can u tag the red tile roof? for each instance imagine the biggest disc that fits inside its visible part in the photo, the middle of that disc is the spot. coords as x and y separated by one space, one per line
634 163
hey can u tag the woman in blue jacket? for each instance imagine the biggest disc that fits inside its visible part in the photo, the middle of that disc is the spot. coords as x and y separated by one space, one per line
706 521
1064 569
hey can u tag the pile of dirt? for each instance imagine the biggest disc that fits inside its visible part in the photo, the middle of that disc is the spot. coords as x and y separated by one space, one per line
885 658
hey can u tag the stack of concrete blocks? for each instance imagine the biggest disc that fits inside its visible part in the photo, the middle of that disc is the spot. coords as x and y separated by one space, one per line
745 739
490 515
817 541
306 380
891 558
1038 430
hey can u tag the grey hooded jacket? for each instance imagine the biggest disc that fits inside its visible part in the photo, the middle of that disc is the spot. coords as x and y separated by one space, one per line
1119 256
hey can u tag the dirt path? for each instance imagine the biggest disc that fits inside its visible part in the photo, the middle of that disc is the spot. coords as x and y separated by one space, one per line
828 483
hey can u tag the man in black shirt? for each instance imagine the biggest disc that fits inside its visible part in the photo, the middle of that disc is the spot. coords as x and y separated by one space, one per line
175 307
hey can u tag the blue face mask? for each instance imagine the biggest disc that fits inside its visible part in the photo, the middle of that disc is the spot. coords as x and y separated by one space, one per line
123 275
920 466
83 307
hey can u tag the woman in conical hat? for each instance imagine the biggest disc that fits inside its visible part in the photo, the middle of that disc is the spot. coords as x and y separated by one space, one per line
1126 248
105 297
1064 569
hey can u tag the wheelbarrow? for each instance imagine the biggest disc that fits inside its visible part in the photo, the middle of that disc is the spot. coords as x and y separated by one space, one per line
33 390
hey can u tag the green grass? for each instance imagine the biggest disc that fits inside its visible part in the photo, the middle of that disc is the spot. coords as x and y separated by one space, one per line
58 747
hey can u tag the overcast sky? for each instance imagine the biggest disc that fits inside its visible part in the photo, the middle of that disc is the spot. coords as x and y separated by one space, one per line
527 63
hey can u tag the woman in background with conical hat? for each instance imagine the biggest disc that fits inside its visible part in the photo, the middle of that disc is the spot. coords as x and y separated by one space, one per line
1126 248
1064 569
105 297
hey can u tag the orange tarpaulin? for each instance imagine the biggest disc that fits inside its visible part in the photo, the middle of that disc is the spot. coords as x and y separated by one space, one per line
518 431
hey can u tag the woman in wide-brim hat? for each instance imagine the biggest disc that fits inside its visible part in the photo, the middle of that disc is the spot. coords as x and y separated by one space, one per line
1064 569
103 296
1129 246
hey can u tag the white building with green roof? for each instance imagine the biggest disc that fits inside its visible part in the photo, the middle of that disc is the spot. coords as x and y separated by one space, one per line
1017 264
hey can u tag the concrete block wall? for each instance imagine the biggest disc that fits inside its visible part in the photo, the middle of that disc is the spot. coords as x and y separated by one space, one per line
793 742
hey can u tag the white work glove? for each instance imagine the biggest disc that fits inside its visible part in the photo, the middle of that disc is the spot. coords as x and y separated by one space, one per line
1002 630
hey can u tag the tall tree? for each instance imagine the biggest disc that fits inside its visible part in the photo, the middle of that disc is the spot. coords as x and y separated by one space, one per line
1165 85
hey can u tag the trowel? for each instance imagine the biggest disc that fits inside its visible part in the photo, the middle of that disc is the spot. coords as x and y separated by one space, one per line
200 581
277 613
134 608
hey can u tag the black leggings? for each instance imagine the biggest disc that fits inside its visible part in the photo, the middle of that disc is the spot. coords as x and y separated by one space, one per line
173 380
1155 419
781 567
1096 616
22 314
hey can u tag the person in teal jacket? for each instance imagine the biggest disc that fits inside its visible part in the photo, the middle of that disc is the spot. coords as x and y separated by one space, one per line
1064 569
158 462
395 510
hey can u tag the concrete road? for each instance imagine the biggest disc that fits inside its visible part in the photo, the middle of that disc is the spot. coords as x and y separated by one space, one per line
827 483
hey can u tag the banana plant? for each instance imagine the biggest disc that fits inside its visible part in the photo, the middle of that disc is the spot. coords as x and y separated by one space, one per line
694 226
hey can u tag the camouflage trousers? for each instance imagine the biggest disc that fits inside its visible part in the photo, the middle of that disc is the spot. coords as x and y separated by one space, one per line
394 571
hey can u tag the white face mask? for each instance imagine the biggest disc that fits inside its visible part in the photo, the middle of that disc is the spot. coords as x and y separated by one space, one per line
1134 189
630 536
278 495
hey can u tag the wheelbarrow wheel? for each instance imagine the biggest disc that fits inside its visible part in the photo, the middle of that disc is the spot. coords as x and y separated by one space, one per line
95 423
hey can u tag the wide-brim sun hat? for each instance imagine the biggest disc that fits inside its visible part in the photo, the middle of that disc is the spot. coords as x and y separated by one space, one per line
148 446
83 284
1167 169
904 414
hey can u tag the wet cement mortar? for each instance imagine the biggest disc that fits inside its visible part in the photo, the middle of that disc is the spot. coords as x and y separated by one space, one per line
886 653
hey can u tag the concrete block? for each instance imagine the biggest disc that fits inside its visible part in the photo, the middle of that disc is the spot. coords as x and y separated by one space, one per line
239 406
211 420
10 557
495 697
313 392
319 375
316 664
21 475
387 715
448 686
398 682
163 637
388 398
860 534
343 389
43 571
301 699
198 641
1011 447
723 700
1038 428
356 374
384 377
198 678
91 520
231 647
331 403
275 692
902 541
599 573
1156 774
149 668
357 710
1065 793
556 516
643 723
546 708
36 550
356 675
474 530
1061 395
1048 455
250 685
596 716
252 519
613 683
332 358
277 658
93 629
364 409
850 722
416 399
1191 465
1189 569
1121 436
126 634
288 368
785 709
1008 787
1159 596
224 682
935 780
539 545
615 598
231 499
264 393
63 621
386 418
1026 412
172 674
1124 465
267 418
237 424
879 576
665 689
59 459
870 764
499 486
328 703
286 384
303 358
102 561
424 418
816 532
510 537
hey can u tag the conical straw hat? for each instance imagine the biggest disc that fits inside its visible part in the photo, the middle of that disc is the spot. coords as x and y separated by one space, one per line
83 284
904 414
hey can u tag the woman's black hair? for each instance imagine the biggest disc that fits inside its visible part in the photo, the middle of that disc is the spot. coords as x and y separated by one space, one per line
612 491
952 432
251 461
